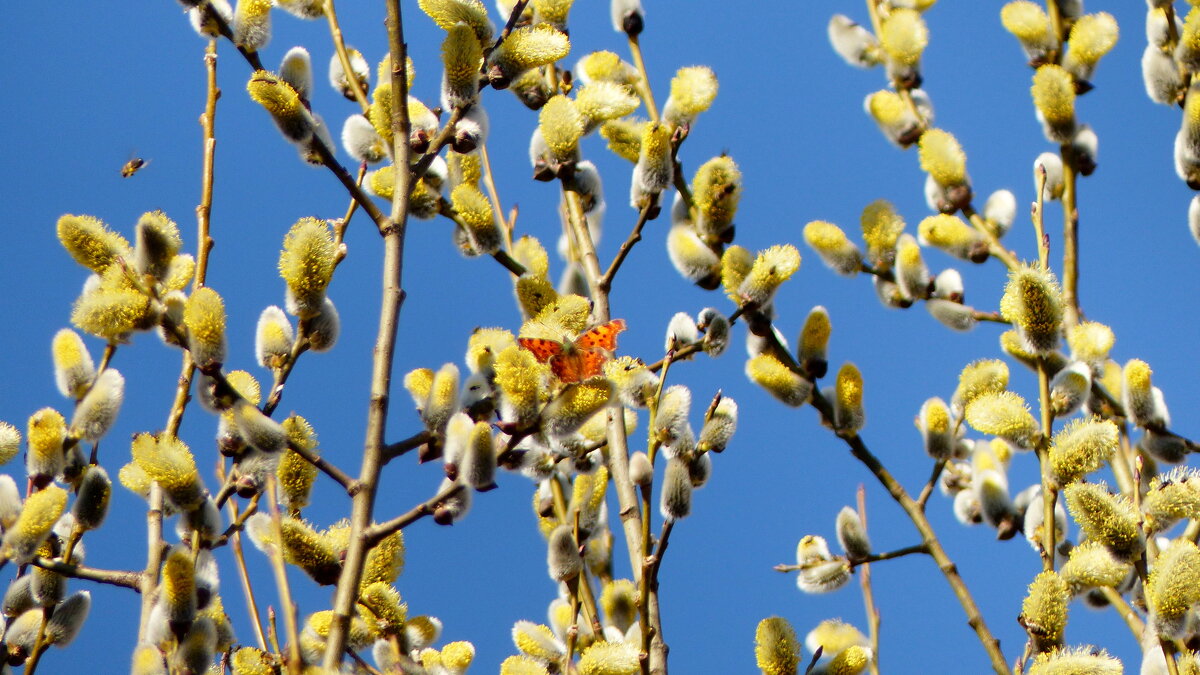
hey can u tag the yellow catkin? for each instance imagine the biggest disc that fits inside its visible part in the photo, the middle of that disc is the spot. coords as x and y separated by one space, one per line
776 649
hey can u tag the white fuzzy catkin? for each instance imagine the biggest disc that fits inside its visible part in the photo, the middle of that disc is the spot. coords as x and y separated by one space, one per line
95 414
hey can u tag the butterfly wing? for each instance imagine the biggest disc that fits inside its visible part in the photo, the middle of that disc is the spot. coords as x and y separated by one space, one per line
569 367
544 350
592 363
603 336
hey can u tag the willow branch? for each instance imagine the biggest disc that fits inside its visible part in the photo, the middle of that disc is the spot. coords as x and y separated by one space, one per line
1070 270
635 235
293 662
235 539
394 450
324 466
343 56
864 580
122 578
376 533
363 504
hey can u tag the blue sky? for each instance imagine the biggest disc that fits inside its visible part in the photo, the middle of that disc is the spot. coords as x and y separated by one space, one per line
90 87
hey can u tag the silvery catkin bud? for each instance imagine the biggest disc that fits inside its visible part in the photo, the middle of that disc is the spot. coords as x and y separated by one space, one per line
681 331
156 244
195 651
852 534
296 70
720 425
1070 389
776 649
91 505
1000 211
1160 76
641 473
672 413
361 141
562 555
855 44
260 431
204 21
627 16
95 414
252 24
676 494
692 258
479 461
273 338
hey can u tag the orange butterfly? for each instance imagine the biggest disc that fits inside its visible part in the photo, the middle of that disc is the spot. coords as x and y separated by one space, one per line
577 359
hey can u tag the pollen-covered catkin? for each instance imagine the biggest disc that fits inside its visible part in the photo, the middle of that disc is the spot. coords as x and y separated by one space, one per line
204 317
1173 589
38 515
1054 101
692 92
833 246
769 373
1106 518
252 24
776 649
1044 611
1032 301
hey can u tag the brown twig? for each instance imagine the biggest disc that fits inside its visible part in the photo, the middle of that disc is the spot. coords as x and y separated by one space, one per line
864 579
393 450
635 235
339 45
376 533
122 578
293 662
363 505
235 539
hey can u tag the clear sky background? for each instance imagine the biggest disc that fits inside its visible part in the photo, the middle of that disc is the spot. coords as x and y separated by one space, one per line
88 86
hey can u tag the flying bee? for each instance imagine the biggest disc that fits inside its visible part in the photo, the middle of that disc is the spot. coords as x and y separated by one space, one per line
132 166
